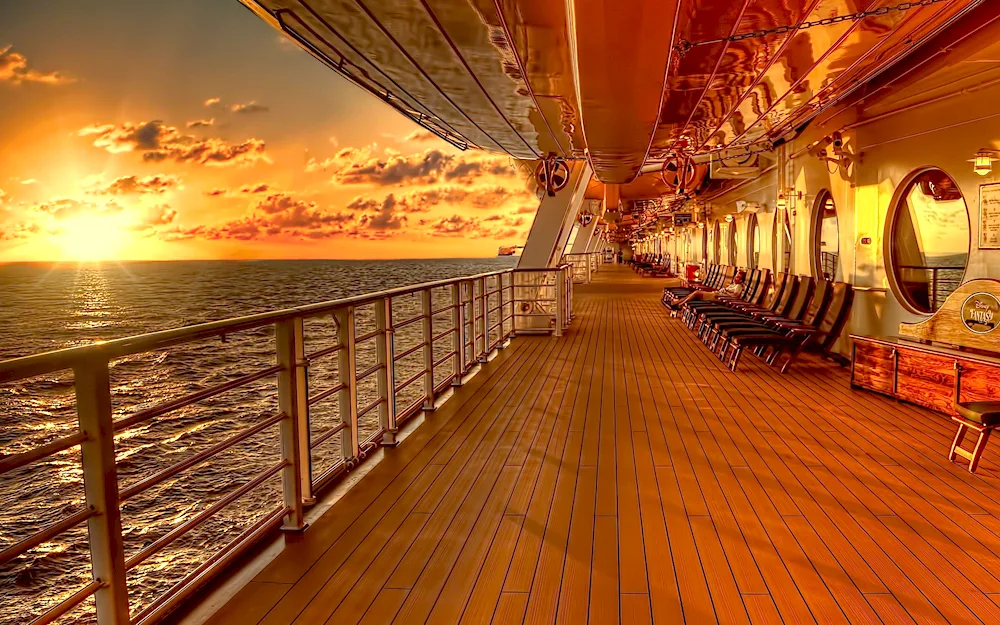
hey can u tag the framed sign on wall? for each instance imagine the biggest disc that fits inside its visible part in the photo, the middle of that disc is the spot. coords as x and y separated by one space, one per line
989 216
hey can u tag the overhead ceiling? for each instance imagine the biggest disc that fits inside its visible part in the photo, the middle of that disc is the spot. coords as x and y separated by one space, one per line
607 79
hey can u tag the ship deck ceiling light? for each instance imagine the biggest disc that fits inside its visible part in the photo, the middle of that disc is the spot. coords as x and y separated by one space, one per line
983 162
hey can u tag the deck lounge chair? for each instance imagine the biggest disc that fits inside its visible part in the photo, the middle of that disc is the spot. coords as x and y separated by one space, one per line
791 337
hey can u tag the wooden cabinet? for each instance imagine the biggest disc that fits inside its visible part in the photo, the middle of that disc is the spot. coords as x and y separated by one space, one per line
922 374
925 379
874 367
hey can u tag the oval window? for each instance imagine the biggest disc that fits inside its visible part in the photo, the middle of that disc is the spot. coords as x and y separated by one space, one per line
716 243
753 241
782 232
928 239
704 243
732 243
826 238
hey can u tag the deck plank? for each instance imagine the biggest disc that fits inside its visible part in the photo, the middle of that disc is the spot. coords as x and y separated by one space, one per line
621 474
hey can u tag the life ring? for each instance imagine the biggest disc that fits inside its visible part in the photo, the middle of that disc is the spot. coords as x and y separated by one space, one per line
552 174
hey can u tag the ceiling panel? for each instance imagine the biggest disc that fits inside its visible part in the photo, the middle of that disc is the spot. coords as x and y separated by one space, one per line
607 80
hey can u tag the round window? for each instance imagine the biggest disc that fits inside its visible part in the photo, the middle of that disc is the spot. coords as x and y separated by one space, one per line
782 232
753 241
927 239
716 243
732 243
826 238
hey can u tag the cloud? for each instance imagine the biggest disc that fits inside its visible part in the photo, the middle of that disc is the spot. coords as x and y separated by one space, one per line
250 189
201 123
497 227
355 166
159 142
420 136
14 69
424 168
150 223
341 159
134 185
387 217
249 107
260 187
62 209
527 209
277 215
29 181
19 232
425 200
213 103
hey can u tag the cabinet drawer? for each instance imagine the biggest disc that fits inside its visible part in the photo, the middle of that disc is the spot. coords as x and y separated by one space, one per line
926 380
874 367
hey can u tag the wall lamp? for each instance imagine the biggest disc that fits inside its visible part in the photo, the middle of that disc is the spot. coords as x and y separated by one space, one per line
983 163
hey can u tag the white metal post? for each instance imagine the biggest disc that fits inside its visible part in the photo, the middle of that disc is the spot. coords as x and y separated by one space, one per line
484 320
347 370
100 482
291 358
560 300
386 377
458 336
428 337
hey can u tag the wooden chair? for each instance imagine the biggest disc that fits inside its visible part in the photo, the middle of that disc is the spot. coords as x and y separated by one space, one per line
980 416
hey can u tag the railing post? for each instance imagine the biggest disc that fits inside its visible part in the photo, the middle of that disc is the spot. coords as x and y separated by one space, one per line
484 320
560 301
428 337
569 301
386 376
934 289
347 371
100 483
458 336
294 428
508 333
587 260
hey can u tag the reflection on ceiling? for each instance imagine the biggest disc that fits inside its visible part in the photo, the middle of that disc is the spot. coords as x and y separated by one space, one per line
627 84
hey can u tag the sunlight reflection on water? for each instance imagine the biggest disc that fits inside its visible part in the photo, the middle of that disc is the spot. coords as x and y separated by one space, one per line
47 308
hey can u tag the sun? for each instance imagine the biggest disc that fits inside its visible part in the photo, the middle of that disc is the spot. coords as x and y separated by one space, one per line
92 238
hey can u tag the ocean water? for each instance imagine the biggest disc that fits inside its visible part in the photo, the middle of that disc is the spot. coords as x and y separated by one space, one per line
45 307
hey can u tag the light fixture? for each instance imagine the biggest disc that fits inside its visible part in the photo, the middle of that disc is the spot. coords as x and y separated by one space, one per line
701 225
729 218
782 202
983 162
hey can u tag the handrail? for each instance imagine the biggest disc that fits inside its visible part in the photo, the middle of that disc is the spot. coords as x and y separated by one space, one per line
47 362
483 317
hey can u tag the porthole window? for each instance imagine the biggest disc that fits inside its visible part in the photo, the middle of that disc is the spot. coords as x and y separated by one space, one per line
716 243
753 241
704 245
732 243
782 232
826 238
928 239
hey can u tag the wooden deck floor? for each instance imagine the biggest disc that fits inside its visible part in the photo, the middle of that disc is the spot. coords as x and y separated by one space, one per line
622 474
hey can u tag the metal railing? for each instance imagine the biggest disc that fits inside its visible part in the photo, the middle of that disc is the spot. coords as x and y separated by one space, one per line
828 264
391 355
544 300
930 286
584 265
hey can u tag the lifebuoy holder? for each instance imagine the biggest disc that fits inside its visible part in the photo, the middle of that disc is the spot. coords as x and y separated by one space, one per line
552 174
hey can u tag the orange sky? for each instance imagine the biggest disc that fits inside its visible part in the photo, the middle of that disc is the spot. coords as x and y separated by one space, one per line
190 129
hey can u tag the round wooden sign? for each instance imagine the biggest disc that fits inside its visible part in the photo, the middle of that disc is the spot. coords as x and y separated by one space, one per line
981 312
